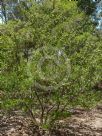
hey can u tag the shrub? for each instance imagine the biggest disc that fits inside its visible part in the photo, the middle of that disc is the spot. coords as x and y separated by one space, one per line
51 62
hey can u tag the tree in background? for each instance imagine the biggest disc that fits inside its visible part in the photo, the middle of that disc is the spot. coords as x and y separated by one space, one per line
3 14
12 9
88 6
97 16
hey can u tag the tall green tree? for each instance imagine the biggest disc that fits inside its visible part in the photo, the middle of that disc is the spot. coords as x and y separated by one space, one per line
88 6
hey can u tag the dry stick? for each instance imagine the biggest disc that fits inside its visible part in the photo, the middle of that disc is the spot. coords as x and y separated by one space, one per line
56 110
32 115
42 107
48 111
35 121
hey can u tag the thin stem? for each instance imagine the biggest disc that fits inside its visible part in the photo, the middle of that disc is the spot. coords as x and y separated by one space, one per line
42 107
32 115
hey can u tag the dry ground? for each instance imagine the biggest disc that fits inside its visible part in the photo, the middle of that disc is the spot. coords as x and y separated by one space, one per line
82 123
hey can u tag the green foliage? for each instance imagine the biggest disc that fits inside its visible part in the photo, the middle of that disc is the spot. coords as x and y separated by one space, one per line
28 73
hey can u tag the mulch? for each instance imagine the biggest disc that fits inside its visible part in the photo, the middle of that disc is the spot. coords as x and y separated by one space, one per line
82 123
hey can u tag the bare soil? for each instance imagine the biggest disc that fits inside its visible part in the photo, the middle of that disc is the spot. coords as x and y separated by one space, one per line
81 123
